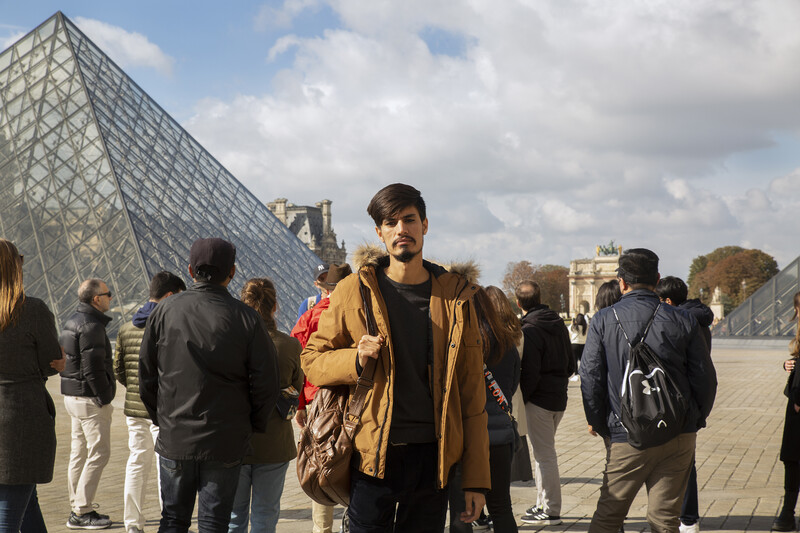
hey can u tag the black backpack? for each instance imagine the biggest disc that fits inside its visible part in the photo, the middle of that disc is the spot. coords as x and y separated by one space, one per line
653 410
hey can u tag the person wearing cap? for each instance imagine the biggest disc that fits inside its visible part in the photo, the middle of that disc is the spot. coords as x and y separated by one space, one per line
321 515
208 377
320 273
676 339
425 412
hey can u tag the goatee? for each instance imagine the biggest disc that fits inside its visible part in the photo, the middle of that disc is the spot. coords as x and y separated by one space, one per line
405 256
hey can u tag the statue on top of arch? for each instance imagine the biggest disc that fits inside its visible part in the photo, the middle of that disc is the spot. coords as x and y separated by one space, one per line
608 249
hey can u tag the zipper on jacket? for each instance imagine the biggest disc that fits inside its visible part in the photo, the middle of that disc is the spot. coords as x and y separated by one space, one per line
450 345
389 397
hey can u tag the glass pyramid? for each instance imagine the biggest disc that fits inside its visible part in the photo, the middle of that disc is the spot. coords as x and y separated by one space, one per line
96 180
768 312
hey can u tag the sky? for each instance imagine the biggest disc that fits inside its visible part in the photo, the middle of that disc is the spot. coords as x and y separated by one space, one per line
535 130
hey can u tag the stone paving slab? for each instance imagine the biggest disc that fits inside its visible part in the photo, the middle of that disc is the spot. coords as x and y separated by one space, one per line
739 475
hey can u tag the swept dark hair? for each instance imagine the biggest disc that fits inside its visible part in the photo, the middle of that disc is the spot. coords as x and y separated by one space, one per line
165 282
638 267
392 199
673 288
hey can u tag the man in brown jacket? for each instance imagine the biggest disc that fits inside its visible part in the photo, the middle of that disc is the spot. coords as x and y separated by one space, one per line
426 410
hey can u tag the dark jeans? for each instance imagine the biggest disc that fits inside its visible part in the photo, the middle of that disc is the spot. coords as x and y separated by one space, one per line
19 510
214 483
791 476
690 512
405 500
498 500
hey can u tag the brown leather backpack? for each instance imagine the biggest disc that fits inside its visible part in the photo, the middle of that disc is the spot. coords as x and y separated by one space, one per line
326 441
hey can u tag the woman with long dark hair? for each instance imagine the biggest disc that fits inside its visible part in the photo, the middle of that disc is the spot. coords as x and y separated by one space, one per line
790 445
29 352
500 333
577 335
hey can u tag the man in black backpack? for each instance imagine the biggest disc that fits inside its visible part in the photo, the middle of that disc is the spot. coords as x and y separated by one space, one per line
676 339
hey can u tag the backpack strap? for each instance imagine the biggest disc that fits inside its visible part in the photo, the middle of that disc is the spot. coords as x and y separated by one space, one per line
646 328
365 380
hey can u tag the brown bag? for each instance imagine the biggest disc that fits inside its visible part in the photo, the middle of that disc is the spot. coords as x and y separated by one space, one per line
326 442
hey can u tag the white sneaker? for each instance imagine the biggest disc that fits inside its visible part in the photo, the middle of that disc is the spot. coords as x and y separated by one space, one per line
694 528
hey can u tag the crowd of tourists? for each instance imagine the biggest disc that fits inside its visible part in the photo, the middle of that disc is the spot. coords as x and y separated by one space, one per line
454 383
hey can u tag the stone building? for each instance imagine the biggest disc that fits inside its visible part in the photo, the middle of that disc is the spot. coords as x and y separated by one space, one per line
312 225
586 276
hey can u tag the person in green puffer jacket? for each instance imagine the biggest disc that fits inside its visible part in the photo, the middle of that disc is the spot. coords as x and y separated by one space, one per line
142 433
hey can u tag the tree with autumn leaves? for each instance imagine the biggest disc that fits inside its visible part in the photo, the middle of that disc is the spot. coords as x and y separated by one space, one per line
737 272
552 280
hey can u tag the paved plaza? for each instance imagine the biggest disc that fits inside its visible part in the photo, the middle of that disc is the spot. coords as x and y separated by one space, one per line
739 475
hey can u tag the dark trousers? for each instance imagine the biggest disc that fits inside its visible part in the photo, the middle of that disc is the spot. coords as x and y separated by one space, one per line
405 500
690 512
213 483
498 500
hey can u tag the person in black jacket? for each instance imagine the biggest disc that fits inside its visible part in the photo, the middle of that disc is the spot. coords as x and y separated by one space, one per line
208 377
790 443
673 291
88 386
547 364
676 339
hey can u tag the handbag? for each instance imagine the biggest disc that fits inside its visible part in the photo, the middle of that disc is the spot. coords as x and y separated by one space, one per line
326 441
288 401
521 469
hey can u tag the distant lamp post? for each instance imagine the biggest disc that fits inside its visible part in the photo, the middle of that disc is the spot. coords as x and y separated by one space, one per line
701 294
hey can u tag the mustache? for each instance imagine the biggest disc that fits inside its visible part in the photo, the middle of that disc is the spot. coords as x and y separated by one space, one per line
404 237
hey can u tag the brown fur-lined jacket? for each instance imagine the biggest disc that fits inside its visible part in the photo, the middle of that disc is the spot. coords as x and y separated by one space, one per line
459 394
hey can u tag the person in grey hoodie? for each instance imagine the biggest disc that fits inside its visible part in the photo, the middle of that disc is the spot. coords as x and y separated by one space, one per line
547 364
142 433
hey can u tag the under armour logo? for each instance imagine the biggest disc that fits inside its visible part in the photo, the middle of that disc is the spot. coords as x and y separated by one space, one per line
647 389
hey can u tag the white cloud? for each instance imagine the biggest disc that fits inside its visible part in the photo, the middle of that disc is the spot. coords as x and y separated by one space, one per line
561 125
11 39
271 17
128 49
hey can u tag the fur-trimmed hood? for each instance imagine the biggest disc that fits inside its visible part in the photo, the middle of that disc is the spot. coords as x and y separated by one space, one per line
371 254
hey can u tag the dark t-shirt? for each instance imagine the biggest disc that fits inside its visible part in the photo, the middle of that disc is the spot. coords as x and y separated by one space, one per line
410 323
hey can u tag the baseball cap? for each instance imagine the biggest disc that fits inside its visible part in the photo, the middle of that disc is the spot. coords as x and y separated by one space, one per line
213 252
319 270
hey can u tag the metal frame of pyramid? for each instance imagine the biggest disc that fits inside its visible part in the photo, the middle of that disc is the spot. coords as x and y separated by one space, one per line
767 312
97 180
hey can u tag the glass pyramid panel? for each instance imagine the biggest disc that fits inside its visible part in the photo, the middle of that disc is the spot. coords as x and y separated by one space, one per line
768 311
96 180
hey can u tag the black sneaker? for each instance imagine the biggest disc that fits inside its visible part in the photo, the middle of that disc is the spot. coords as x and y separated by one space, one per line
541 519
90 520
533 511
484 523
784 524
